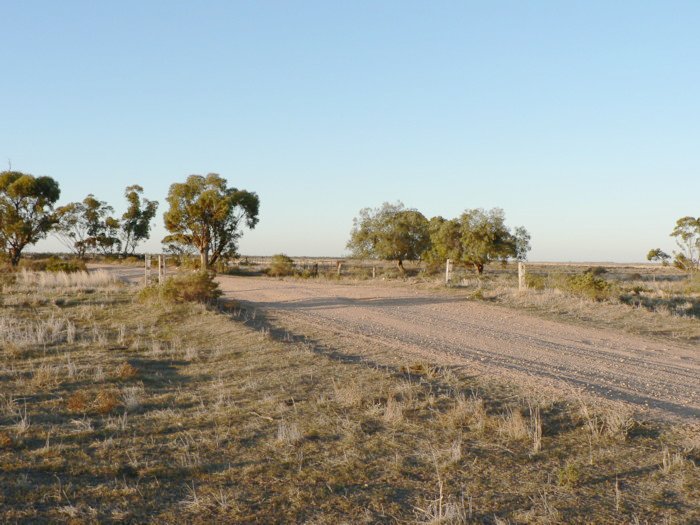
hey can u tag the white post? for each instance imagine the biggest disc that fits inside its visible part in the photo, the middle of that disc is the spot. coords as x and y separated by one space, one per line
521 277
340 266
374 272
147 269
161 269
448 268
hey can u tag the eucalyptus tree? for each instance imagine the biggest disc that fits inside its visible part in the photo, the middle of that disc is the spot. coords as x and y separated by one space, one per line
485 238
477 238
208 215
658 255
26 211
687 235
390 232
87 226
136 221
445 240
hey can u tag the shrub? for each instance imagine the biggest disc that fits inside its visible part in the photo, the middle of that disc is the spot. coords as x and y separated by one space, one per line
596 270
589 285
132 260
569 475
71 266
197 287
307 273
281 265
54 264
638 289
534 281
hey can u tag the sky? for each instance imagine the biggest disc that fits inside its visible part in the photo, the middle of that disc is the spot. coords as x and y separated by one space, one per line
580 119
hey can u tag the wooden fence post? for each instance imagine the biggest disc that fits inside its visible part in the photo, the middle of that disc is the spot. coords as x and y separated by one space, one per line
448 269
340 266
161 269
374 272
147 269
522 285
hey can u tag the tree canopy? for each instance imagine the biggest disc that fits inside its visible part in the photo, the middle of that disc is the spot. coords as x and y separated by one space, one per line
485 238
658 255
136 221
87 226
390 232
687 234
477 237
445 240
205 213
26 211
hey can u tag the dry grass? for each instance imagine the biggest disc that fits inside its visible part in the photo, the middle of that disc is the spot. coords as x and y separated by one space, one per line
653 301
76 280
177 414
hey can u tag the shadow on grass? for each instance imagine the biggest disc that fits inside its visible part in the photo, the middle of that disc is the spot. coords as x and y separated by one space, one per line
685 306
261 321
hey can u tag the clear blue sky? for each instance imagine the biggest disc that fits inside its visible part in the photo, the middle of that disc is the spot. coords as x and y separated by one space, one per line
580 119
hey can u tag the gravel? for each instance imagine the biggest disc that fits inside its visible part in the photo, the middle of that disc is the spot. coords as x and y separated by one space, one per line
653 376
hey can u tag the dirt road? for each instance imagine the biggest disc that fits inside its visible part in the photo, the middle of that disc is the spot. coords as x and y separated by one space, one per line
405 325
443 328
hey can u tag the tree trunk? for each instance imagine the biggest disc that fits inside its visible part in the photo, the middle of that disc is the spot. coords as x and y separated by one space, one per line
204 259
15 255
401 268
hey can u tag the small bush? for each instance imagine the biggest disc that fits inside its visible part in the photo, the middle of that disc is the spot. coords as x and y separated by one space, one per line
568 476
589 285
308 274
70 266
281 265
54 264
132 260
596 271
198 287
637 289
534 281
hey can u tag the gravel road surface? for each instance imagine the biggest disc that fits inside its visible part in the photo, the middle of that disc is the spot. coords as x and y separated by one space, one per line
658 377
651 375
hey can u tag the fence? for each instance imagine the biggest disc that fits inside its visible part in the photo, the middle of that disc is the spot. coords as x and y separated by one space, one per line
452 273
148 266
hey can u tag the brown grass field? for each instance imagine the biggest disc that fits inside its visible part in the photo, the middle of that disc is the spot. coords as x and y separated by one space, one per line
118 410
